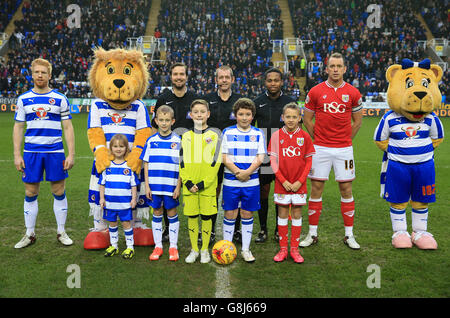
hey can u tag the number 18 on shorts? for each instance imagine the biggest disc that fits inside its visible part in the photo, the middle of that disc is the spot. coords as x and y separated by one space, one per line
340 159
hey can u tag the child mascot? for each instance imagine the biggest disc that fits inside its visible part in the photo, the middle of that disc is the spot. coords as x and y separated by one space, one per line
119 79
408 134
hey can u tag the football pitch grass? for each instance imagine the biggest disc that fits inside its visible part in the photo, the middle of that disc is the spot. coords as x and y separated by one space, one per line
331 269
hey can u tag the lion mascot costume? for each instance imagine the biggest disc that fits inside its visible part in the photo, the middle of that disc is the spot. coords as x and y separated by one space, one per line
408 135
118 79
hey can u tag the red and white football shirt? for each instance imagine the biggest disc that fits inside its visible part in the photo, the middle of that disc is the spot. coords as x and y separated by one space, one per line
288 153
333 109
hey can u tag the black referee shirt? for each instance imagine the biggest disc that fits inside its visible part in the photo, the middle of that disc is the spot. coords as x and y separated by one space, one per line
180 105
221 111
269 111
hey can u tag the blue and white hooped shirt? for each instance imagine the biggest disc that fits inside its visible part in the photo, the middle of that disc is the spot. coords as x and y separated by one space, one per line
43 114
409 142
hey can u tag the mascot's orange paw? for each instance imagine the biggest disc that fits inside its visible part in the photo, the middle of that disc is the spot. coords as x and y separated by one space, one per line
424 240
143 237
133 161
96 240
102 160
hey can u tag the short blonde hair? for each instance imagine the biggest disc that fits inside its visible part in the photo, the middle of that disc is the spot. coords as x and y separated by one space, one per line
292 105
337 55
43 62
224 68
201 102
165 109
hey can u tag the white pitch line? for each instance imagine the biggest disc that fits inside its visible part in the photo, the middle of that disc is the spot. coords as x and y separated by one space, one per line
222 274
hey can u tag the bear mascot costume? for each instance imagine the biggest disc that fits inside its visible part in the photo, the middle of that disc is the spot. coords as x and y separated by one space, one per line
118 79
408 135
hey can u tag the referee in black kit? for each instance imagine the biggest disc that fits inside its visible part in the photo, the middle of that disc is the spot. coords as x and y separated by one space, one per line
269 108
179 98
221 108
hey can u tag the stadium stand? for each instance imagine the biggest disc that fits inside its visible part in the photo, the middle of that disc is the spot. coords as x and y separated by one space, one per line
206 34
340 25
436 14
46 34
7 9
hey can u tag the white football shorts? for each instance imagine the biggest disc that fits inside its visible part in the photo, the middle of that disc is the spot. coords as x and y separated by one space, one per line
287 199
341 159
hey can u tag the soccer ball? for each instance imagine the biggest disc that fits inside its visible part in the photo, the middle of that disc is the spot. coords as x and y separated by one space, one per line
224 252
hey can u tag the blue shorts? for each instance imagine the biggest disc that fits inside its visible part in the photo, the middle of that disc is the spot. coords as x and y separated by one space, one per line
37 162
160 200
111 215
249 197
406 182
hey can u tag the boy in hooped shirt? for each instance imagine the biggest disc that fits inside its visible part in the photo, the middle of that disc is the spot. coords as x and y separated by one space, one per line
243 150
162 181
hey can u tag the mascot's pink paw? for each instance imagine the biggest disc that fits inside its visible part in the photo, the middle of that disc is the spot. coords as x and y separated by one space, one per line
401 239
143 237
96 240
424 240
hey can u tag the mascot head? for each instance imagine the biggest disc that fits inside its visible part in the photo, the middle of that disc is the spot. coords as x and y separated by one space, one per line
414 88
118 76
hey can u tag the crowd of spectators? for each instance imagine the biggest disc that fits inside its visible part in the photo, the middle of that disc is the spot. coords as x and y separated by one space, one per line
43 31
7 9
341 25
206 34
444 87
436 14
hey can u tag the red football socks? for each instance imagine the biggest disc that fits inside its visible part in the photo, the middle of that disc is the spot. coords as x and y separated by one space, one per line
348 211
314 211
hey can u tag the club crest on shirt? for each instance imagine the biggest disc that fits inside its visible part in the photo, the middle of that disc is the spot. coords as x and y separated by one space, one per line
51 101
173 145
208 140
300 141
126 171
117 118
345 98
41 112
411 132
252 138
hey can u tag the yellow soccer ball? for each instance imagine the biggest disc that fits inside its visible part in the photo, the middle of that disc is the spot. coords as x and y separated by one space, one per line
224 252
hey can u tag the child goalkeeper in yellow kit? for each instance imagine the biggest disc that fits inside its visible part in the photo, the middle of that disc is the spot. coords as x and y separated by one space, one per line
200 161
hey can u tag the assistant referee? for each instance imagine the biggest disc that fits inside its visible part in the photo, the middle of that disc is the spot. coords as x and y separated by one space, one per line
269 108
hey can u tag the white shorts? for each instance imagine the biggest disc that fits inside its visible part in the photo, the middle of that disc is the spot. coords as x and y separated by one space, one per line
286 199
341 159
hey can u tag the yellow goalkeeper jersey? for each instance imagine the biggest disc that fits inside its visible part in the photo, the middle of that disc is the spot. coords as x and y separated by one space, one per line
201 157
